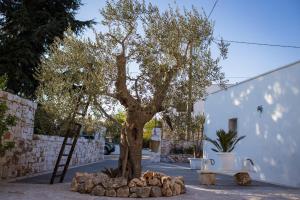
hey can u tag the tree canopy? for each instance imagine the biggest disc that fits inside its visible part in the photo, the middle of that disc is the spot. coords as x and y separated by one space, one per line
165 46
27 28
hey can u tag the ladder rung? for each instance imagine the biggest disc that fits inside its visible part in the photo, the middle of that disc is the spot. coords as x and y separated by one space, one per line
62 153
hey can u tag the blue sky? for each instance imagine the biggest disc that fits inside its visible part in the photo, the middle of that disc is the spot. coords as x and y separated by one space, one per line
262 21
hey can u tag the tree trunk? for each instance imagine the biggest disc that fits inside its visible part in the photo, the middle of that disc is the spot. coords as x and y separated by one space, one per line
190 103
131 144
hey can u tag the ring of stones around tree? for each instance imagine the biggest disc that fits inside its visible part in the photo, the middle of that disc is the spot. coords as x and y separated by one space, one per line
151 184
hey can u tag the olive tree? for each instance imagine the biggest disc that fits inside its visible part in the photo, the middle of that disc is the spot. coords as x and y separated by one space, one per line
162 45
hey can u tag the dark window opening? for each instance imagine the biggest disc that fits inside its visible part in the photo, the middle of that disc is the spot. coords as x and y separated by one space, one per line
232 124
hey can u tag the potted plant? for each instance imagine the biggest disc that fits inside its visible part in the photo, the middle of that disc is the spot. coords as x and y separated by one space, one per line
198 127
224 145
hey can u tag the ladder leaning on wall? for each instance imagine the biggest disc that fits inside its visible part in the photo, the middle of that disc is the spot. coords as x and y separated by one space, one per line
72 133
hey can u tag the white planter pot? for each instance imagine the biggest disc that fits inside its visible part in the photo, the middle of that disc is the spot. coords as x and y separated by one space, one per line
227 160
195 163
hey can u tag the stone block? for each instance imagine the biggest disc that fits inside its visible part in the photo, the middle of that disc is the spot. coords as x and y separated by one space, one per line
155 191
98 191
207 178
123 191
141 192
110 192
242 178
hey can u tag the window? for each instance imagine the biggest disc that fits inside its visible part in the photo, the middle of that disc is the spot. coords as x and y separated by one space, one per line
232 124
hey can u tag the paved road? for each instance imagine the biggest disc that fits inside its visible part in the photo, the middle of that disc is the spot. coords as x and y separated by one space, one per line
109 162
35 188
95 167
182 169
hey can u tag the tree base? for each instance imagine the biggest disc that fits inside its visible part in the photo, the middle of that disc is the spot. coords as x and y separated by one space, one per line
151 184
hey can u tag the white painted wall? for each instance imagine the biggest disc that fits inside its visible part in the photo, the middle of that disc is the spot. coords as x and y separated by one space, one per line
199 105
272 137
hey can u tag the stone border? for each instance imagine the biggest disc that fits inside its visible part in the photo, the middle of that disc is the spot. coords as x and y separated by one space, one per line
151 184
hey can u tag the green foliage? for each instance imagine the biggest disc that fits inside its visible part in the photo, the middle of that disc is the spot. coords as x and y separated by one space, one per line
198 135
146 139
69 72
6 121
153 123
225 142
161 43
182 150
47 123
149 126
3 82
177 121
120 117
27 28
198 122
162 53
188 150
112 129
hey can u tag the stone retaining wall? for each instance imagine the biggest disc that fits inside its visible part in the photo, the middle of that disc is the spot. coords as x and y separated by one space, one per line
173 158
167 145
38 153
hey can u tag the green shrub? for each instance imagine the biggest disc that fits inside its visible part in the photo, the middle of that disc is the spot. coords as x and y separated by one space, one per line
45 123
176 150
148 131
188 150
146 139
225 141
112 129
147 136
181 150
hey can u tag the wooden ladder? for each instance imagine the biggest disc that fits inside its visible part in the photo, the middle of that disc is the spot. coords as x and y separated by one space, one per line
73 132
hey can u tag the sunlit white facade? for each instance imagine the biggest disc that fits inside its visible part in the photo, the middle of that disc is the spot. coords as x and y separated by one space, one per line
267 109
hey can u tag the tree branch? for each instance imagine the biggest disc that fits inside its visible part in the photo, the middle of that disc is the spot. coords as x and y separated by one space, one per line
102 110
161 92
129 33
122 94
110 95
136 89
136 86
115 38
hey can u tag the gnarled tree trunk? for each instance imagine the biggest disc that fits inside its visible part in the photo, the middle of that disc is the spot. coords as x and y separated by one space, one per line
137 116
131 144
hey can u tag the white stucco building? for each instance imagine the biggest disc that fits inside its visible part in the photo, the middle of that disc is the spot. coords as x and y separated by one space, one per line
199 105
266 109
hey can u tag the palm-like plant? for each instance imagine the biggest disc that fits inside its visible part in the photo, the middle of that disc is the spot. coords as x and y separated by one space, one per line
225 141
